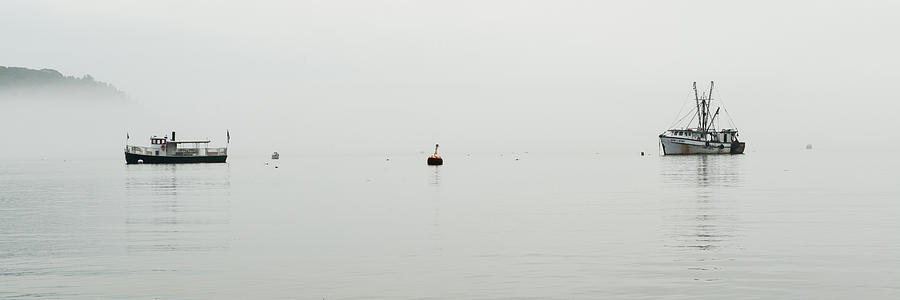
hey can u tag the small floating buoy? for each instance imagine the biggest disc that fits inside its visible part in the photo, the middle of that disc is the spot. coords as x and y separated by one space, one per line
435 159
140 161
387 159
642 153
276 167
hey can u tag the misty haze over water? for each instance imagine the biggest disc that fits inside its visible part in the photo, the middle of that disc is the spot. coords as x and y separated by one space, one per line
388 77
542 109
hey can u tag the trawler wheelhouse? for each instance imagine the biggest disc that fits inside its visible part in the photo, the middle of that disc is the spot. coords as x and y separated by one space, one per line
165 150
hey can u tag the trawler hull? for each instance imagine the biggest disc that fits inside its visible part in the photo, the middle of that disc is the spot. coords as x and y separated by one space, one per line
132 158
682 146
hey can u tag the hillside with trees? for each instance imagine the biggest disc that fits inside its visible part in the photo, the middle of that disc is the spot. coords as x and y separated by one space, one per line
25 84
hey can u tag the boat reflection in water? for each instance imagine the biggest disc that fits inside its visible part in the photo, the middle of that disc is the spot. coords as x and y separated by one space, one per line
177 208
704 229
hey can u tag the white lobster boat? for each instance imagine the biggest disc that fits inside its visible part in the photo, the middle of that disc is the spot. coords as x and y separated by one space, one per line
704 137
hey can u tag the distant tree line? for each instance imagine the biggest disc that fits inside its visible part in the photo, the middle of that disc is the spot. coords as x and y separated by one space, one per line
24 83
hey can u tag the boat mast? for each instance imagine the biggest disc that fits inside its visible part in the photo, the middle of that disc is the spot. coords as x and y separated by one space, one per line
699 110
708 102
702 114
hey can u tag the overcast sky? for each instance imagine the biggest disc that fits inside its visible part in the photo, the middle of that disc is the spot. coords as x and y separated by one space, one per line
475 76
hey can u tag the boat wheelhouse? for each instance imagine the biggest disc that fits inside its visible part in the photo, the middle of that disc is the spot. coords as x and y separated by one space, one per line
163 150
704 137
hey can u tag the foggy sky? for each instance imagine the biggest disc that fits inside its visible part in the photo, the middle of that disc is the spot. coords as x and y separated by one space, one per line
475 76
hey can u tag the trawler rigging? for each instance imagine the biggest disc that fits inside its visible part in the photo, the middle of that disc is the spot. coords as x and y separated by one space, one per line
705 137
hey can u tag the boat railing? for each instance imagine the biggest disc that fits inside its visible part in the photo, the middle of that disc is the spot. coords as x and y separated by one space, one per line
139 150
178 152
216 151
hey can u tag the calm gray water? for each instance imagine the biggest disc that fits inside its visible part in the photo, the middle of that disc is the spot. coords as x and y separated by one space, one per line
803 224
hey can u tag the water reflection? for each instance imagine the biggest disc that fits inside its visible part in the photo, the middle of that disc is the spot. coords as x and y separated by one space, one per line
701 195
177 207
437 236
436 175
703 171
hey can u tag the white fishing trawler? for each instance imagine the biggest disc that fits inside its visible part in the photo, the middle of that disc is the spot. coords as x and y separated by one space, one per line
702 136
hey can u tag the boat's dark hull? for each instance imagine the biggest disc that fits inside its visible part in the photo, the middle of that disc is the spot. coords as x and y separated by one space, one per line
737 147
131 158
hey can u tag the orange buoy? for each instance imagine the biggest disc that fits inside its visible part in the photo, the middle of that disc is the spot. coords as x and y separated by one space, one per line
435 159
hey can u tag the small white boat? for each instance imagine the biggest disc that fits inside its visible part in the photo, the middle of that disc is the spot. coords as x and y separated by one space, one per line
704 137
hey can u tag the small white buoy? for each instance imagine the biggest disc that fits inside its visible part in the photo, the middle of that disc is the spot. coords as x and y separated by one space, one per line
140 161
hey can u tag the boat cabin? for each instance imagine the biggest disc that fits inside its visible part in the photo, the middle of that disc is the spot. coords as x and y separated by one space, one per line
164 146
725 135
